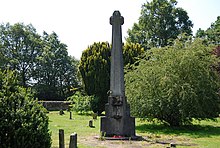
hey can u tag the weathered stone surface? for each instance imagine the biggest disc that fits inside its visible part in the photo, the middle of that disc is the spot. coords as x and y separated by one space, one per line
117 67
61 138
117 120
73 140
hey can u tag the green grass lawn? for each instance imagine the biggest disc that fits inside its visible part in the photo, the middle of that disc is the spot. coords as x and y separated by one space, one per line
205 134
78 124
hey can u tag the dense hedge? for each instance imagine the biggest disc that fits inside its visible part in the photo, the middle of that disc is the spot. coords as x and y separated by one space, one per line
23 122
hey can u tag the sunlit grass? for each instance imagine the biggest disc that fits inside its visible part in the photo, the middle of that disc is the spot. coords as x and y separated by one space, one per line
78 124
200 134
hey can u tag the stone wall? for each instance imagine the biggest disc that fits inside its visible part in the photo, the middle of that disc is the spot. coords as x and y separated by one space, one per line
55 105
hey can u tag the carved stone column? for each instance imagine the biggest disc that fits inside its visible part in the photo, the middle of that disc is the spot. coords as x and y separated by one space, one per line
117 121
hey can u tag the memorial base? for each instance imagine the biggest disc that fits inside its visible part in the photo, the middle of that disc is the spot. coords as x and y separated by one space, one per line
124 127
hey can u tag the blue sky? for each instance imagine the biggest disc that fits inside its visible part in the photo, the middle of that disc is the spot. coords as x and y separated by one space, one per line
80 23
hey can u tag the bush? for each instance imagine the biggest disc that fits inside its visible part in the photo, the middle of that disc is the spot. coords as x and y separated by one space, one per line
95 105
80 103
175 84
23 122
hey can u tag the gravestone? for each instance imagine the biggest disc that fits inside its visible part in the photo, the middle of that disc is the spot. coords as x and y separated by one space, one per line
61 138
91 123
73 140
117 121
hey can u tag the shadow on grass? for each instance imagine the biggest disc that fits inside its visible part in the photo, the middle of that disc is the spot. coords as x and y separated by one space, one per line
198 131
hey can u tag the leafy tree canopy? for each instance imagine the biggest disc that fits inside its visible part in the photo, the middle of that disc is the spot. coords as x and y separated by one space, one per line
160 22
56 72
212 34
20 45
175 84
42 62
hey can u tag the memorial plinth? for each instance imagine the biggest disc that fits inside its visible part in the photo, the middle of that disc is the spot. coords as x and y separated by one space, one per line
117 121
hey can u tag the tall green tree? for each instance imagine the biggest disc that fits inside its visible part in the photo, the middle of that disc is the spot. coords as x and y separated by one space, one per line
175 84
159 24
20 45
95 70
56 72
212 34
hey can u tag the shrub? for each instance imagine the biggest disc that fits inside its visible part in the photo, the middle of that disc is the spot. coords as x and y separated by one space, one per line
175 84
23 122
80 103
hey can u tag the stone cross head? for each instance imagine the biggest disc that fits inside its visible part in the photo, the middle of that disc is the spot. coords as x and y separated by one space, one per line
116 18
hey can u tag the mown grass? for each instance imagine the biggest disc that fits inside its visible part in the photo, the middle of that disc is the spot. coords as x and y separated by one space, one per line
78 124
201 134
204 134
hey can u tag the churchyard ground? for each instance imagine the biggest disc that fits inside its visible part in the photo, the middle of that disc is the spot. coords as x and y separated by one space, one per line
200 134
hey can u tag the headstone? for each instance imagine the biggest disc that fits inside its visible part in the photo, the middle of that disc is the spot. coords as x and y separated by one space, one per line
70 115
94 116
172 145
73 141
91 123
117 120
61 112
61 138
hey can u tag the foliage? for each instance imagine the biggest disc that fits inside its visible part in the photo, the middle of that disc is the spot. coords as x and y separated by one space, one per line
56 72
160 22
95 70
23 122
42 62
212 34
2 59
20 45
132 52
175 84
80 103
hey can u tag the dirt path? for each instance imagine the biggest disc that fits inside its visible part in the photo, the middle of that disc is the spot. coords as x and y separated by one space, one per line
144 142
94 142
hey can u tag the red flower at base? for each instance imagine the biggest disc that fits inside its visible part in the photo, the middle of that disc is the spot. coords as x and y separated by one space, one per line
115 136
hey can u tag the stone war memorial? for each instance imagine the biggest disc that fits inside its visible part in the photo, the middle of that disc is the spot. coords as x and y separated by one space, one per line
117 122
